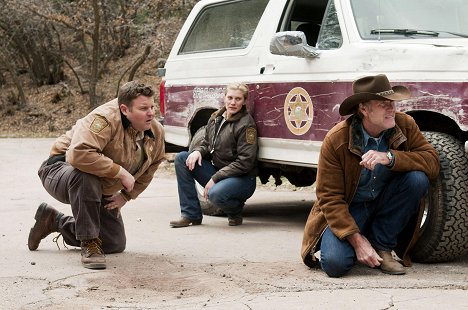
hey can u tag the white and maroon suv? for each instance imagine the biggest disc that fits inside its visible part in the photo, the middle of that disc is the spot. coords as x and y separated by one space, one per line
299 58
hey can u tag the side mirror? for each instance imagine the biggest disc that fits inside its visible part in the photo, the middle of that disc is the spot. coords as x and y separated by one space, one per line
292 43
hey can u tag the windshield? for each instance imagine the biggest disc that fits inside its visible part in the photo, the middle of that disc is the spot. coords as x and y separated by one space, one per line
410 19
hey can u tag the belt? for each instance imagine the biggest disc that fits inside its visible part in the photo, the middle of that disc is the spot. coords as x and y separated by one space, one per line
55 158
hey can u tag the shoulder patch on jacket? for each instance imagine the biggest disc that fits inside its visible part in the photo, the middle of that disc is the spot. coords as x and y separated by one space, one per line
251 135
98 124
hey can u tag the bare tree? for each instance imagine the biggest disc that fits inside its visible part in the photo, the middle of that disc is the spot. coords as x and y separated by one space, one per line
44 36
93 79
21 96
30 41
102 27
134 67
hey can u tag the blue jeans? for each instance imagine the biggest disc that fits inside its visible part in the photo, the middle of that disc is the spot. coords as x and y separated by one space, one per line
228 194
380 221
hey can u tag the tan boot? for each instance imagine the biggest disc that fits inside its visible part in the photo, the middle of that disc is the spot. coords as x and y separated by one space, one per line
46 223
389 265
92 255
184 222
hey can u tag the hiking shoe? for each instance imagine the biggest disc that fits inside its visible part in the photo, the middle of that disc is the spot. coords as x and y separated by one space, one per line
92 255
235 220
389 265
46 223
184 222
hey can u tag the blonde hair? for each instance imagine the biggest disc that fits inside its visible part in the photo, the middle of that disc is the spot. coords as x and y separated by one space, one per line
238 86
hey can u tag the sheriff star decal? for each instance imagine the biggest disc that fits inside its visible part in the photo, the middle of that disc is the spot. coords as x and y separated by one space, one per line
98 124
298 111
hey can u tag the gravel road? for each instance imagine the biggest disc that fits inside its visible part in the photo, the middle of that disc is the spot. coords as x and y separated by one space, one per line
212 266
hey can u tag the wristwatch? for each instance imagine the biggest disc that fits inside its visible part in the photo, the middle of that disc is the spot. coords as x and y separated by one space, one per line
391 158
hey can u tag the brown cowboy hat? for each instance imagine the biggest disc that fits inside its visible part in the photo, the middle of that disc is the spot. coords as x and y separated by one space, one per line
372 88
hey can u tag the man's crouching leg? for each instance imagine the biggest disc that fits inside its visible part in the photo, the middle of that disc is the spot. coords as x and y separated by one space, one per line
111 239
337 256
393 210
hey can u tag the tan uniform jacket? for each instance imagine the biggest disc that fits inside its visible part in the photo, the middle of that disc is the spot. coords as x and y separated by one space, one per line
339 171
103 141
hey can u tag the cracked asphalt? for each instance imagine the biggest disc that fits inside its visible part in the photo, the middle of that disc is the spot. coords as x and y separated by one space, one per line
212 266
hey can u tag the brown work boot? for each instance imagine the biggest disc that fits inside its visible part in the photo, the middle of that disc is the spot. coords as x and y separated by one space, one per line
184 222
235 220
389 264
92 256
46 223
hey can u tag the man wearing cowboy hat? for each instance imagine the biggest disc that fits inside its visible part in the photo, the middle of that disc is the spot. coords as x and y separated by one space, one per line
373 171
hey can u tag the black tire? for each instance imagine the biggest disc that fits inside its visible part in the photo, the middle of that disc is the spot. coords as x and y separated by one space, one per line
207 207
444 231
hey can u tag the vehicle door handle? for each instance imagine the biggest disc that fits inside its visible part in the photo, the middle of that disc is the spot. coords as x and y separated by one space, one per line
267 69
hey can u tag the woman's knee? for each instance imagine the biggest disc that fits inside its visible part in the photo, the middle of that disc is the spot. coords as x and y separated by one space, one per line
217 195
230 205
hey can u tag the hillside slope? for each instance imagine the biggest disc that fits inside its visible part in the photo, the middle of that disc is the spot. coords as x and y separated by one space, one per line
53 109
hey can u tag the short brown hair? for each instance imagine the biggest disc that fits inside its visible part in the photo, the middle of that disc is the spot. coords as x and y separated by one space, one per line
132 90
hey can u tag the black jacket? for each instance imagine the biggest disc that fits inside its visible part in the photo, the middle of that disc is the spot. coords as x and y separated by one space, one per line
234 151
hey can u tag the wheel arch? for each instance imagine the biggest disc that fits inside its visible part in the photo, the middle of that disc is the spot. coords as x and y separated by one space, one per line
437 122
200 119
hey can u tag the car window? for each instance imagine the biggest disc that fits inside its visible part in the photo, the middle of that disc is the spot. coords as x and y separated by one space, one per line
409 19
228 25
316 19
330 36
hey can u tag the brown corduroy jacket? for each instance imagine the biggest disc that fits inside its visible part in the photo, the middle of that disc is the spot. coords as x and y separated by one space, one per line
338 178
103 141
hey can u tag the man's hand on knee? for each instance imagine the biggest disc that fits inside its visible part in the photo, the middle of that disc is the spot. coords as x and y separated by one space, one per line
116 201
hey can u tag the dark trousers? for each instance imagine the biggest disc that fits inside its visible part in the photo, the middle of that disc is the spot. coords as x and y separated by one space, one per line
83 191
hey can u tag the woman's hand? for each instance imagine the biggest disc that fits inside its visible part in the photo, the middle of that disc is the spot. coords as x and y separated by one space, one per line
192 159
208 186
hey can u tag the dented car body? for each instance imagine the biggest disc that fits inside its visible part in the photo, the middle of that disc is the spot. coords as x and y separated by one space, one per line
299 58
